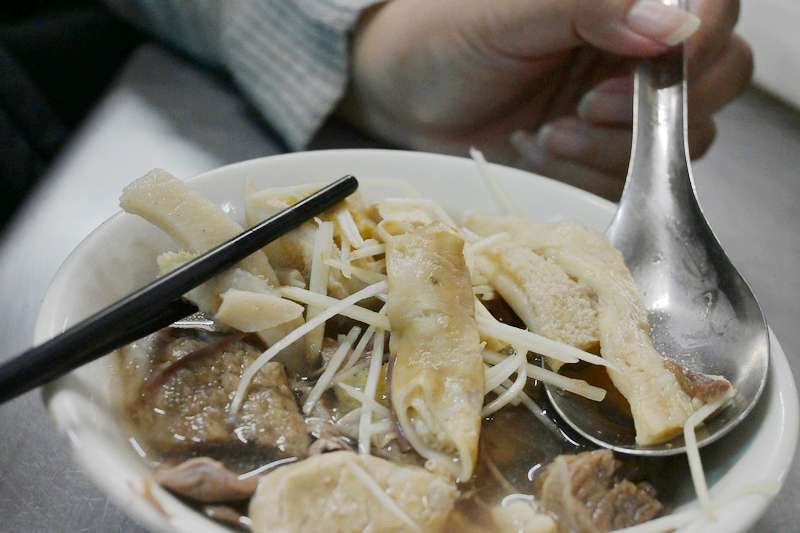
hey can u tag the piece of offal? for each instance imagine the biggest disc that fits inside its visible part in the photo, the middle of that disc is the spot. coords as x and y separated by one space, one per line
658 404
543 296
244 298
346 492
436 379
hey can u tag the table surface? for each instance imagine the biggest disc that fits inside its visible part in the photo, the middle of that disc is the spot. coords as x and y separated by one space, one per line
157 114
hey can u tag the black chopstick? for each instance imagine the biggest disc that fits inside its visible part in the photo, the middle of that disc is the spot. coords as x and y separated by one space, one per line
158 304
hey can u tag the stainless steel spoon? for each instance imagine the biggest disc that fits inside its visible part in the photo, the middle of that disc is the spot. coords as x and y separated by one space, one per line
701 311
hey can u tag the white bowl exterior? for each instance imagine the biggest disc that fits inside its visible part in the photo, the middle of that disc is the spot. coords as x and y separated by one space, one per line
119 257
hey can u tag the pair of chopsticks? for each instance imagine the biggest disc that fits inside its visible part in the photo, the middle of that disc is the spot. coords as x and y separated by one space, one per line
158 304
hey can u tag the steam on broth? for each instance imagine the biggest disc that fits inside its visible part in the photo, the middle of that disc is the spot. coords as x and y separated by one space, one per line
377 370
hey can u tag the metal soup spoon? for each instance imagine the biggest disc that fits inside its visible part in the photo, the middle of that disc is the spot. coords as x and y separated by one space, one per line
701 311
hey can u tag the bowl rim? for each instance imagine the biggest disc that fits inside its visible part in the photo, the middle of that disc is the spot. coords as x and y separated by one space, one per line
64 403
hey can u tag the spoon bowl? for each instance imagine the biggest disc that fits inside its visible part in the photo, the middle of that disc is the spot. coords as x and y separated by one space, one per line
701 311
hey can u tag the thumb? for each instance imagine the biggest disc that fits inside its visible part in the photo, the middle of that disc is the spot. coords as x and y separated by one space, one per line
624 27
633 27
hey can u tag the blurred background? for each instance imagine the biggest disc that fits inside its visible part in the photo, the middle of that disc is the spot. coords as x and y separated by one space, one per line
57 57
772 27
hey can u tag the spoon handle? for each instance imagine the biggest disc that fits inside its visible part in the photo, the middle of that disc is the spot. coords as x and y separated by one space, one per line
660 148
659 178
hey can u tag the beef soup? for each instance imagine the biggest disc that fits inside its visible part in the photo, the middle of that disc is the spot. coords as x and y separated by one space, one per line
379 370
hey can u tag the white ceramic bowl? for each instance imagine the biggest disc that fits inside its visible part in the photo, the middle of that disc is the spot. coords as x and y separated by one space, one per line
118 257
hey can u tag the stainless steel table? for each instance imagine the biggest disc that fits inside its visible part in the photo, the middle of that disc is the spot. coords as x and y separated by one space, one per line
165 113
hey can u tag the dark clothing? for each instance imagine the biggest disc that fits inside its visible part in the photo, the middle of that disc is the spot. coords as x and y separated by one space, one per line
56 59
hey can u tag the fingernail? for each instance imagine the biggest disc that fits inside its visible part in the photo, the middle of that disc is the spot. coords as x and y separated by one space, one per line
586 105
669 25
527 146
567 139
606 107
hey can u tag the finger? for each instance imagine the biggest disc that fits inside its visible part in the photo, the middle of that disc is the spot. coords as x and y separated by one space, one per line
524 29
713 36
605 149
535 158
701 137
639 28
611 102
575 174
722 82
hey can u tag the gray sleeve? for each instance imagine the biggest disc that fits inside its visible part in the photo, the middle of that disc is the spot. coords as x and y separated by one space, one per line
289 57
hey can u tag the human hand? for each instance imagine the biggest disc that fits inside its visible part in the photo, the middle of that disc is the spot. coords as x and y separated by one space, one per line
539 84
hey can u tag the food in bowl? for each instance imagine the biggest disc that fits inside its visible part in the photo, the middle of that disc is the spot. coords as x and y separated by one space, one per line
302 408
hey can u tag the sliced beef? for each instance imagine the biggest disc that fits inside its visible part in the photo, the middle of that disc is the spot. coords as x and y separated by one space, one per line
182 410
704 387
206 480
586 496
